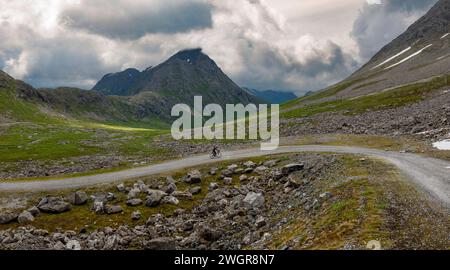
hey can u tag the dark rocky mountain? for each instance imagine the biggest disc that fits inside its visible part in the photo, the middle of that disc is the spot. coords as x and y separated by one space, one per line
177 80
271 96
117 83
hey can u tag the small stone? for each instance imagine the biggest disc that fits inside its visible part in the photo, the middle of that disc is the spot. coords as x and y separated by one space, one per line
213 186
261 169
233 167
170 200
213 171
121 188
34 211
113 209
134 193
325 196
254 200
249 164
270 163
73 245
98 207
163 243
195 190
193 177
154 198
260 222
25 217
243 177
248 170
292 168
136 215
228 180
182 195
226 173
78 198
134 202
170 188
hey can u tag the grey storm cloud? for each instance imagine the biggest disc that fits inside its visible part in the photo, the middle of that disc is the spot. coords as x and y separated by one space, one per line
133 19
378 24
74 43
269 68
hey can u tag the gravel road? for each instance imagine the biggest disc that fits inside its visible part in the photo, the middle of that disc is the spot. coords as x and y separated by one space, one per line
431 175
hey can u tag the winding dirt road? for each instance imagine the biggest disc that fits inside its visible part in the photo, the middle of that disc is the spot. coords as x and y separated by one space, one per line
431 175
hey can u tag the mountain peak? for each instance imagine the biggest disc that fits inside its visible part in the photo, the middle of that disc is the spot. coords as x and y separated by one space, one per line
189 55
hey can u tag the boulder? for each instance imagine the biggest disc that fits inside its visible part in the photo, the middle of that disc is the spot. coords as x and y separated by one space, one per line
207 233
233 167
260 222
261 169
226 173
213 186
134 193
182 195
134 202
34 211
243 177
170 200
249 164
254 200
270 163
7 217
78 198
98 207
73 245
53 205
195 190
136 215
193 177
154 198
325 196
25 217
228 180
213 171
121 188
287 169
170 188
162 243
113 209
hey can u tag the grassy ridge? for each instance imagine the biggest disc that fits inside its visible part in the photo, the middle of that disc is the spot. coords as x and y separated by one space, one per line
382 100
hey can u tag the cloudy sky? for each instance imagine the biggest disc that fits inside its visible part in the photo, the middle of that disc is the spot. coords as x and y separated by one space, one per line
296 45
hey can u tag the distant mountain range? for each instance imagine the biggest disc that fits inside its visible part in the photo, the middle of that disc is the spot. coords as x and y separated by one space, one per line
271 96
184 75
134 96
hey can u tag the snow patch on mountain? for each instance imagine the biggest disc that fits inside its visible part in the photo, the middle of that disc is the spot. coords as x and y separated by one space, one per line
391 58
409 57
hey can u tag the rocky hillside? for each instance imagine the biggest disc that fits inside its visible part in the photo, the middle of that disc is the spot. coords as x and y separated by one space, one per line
420 53
403 89
177 80
22 102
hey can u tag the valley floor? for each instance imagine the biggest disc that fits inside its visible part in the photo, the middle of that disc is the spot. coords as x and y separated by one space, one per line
333 201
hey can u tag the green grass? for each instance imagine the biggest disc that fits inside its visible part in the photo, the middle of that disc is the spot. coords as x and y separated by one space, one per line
383 100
